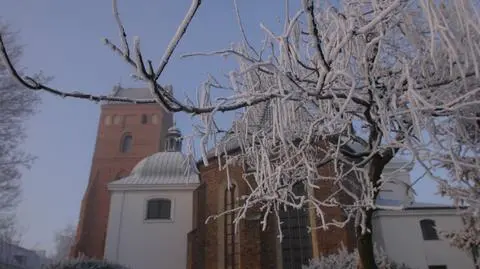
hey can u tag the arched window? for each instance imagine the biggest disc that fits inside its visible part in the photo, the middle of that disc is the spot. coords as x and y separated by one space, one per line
231 247
126 143
159 209
429 231
144 119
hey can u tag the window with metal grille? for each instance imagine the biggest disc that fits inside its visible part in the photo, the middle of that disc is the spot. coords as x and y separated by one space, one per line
428 229
231 241
297 241
159 209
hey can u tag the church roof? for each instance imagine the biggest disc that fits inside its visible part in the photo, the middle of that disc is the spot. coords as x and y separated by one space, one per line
162 169
132 93
413 205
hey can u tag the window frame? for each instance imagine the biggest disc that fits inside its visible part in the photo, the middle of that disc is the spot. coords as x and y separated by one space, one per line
221 231
153 198
429 232
20 259
122 143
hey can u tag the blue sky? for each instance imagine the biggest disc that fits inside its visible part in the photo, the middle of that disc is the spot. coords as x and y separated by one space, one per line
63 38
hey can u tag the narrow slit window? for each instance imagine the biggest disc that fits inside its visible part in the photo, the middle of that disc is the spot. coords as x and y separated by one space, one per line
144 119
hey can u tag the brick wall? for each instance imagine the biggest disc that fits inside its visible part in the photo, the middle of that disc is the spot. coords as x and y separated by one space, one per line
258 248
109 163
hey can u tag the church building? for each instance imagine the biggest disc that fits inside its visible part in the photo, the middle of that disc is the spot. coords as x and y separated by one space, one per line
146 205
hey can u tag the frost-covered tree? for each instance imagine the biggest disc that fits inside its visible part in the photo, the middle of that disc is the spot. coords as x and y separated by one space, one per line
350 260
462 182
17 104
84 264
64 240
345 87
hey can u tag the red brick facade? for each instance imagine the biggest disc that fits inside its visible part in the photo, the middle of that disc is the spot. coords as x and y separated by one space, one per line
147 125
258 249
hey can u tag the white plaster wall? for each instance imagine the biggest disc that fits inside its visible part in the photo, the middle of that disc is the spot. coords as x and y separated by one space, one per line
141 244
400 235
395 187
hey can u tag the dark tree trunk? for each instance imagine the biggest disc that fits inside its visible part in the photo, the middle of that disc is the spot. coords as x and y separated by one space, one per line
365 240
365 244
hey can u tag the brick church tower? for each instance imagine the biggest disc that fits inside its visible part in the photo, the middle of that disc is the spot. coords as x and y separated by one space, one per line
127 133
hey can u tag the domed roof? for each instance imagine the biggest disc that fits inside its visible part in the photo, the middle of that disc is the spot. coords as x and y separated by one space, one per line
162 168
174 130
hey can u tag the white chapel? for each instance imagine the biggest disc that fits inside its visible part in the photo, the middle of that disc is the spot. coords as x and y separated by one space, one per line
151 210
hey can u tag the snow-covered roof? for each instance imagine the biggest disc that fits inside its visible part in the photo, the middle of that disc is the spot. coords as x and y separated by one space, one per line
161 169
422 205
412 205
133 93
14 256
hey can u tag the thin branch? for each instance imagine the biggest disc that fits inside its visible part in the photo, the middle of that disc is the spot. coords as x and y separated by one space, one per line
242 30
182 28
122 33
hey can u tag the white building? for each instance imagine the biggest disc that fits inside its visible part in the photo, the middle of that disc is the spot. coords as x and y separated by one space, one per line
151 211
410 235
15 257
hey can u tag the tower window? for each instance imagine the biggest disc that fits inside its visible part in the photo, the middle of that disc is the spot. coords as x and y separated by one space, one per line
428 229
159 209
126 143
144 119
154 119
108 120
117 119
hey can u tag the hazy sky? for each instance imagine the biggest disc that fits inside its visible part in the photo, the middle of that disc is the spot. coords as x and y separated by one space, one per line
63 38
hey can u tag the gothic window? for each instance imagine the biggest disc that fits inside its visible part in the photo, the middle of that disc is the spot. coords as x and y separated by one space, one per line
231 247
159 209
126 143
144 119
428 229
296 242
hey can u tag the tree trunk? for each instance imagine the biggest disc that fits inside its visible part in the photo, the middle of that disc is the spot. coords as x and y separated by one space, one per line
365 241
365 244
